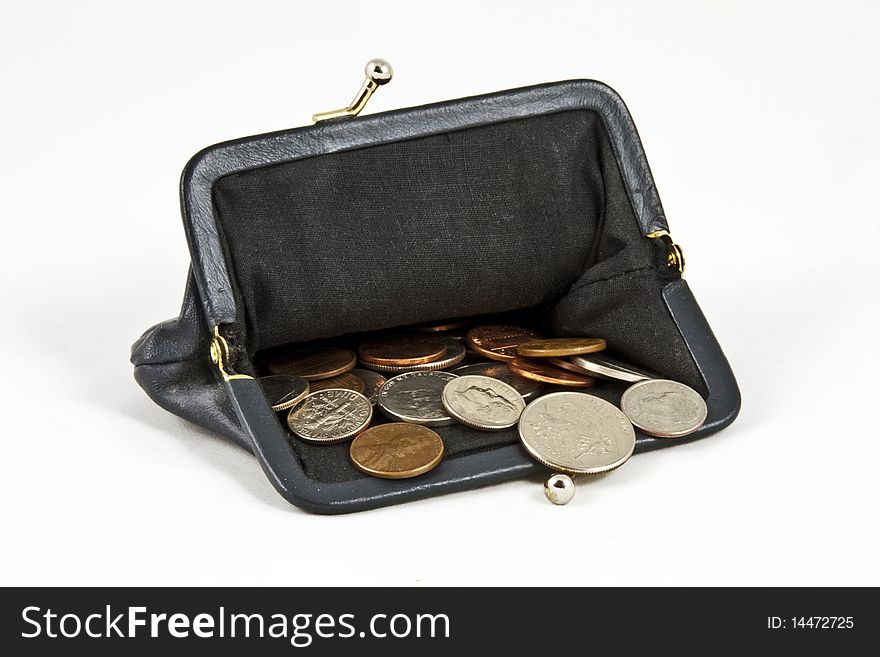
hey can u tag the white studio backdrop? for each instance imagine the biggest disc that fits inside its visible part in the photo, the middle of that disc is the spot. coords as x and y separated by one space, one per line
760 121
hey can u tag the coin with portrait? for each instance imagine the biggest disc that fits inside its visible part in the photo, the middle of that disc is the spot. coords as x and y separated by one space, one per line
416 397
481 402
396 450
528 388
664 408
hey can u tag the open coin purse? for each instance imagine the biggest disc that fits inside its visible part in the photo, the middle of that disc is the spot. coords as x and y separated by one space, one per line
534 205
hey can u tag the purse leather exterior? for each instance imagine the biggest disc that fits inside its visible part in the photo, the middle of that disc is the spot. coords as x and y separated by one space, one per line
171 359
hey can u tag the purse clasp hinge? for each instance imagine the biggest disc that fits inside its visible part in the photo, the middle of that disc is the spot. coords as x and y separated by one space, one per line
674 253
378 72
220 355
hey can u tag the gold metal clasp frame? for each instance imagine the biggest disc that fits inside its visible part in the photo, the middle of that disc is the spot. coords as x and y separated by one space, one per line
674 254
220 355
378 72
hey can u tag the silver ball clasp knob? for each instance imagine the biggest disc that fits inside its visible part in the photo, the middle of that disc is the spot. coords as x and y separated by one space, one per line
559 489
379 71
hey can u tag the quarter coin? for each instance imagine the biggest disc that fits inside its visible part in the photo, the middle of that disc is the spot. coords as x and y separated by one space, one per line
663 408
498 342
347 381
541 370
560 347
481 402
607 367
455 353
576 433
372 382
528 388
314 364
330 416
282 391
416 397
404 349
396 451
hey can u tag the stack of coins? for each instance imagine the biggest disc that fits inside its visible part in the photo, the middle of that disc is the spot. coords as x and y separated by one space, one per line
415 379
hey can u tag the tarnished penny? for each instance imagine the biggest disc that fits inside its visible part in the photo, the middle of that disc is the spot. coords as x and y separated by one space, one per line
566 364
576 433
498 342
440 325
283 391
372 382
314 364
347 381
482 402
396 451
560 347
663 408
541 370
404 349
330 416
416 397
528 388
605 366
455 353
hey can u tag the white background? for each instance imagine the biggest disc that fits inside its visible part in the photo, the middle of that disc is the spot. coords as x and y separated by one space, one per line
761 125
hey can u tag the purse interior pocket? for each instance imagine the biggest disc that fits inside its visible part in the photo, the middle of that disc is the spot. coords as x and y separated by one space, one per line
528 220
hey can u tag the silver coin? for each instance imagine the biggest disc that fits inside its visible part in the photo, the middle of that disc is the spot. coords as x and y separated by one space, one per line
330 416
416 397
576 433
663 408
482 402
525 387
455 353
609 368
372 382
283 391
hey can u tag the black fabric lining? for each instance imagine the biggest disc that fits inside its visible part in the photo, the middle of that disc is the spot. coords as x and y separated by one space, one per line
529 215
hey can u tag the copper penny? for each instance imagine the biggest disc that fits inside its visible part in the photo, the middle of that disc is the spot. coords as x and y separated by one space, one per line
400 350
568 365
314 364
498 342
560 347
543 371
347 381
397 450
440 325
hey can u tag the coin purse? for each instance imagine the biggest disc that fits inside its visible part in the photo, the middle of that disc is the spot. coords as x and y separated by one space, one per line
535 205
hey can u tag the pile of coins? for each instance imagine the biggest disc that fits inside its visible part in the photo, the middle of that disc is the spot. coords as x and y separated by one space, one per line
416 380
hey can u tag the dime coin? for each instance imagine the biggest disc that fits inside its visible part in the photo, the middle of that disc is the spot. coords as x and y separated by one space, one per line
560 347
498 342
481 402
314 364
372 382
282 391
663 408
416 397
576 433
405 349
540 370
330 416
609 368
528 388
455 353
347 381
396 451
440 325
